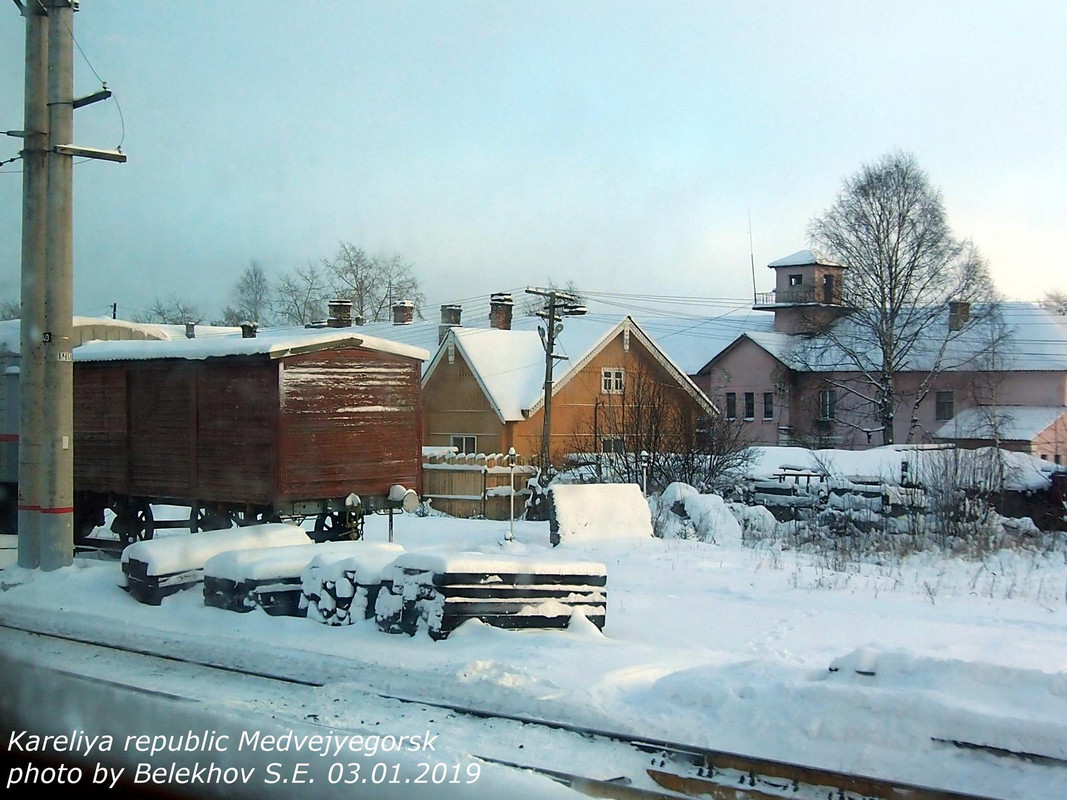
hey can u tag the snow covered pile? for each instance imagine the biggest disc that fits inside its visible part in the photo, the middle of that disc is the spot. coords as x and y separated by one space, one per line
896 464
599 511
683 512
174 554
438 592
157 568
340 585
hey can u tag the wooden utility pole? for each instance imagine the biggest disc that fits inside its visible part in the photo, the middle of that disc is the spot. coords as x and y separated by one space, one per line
559 304
34 194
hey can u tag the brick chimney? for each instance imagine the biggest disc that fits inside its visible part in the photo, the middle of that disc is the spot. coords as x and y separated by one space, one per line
403 312
959 312
190 330
248 330
450 318
339 314
500 310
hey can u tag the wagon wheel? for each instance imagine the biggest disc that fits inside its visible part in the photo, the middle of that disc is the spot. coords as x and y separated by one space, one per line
328 527
140 524
244 518
209 518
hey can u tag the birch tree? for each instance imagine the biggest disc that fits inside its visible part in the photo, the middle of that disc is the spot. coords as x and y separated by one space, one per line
889 227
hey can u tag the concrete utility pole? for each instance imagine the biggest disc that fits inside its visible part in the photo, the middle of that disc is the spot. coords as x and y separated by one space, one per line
57 446
560 304
34 188
46 444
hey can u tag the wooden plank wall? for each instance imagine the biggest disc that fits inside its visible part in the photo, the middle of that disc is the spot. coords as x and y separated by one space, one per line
101 439
475 485
351 421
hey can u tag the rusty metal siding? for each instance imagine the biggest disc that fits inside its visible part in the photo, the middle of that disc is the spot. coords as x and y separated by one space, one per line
100 429
236 405
351 421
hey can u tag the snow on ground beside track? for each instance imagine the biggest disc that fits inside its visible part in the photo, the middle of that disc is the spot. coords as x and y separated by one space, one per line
709 644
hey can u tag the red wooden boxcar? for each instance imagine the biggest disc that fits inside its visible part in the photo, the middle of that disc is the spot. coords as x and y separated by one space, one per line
280 426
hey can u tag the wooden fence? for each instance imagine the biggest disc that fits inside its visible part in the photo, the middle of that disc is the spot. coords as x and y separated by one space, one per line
475 485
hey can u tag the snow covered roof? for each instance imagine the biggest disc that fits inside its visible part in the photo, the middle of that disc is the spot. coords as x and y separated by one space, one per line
803 258
1007 423
1033 339
277 343
509 365
88 329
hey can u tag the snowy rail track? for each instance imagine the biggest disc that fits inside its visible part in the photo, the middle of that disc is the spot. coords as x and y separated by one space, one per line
654 768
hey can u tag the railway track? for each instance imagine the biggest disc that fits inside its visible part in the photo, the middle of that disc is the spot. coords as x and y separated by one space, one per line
671 771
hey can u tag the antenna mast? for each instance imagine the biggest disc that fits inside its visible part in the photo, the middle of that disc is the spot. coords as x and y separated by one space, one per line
751 257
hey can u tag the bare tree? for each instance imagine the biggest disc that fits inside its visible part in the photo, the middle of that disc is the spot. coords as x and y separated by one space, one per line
171 311
1056 302
300 296
10 309
251 298
888 226
373 284
653 414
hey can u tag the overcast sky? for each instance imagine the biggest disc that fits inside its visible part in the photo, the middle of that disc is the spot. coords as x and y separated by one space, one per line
497 144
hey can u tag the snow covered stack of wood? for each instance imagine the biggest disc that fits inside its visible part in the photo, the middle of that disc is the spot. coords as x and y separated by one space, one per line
439 592
340 586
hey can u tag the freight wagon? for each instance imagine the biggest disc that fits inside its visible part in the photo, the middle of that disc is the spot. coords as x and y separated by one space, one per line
283 425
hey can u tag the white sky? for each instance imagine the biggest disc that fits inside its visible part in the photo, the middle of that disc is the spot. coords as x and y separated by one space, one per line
620 145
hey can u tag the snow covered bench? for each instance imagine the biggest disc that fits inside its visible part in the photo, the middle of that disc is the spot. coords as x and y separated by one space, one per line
241 580
340 585
439 592
157 568
598 511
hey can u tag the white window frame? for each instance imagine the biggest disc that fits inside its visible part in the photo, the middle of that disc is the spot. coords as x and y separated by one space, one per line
612 380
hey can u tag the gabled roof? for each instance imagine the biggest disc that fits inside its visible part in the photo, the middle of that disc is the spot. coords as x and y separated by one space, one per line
777 345
1007 423
510 365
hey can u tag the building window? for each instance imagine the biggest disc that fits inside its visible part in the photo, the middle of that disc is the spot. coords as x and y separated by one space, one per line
945 408
1056 458
611 380
768 405
796 280
612 444
731 405
827 404
465 444
750 405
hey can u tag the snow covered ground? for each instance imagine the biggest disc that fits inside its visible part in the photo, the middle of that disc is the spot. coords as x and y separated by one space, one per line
760 651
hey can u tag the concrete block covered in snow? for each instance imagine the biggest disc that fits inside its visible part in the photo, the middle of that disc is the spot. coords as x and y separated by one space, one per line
160 567
599 511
